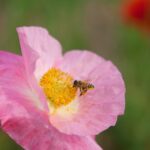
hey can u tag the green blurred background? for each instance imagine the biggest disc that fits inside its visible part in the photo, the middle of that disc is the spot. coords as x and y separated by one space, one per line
95 25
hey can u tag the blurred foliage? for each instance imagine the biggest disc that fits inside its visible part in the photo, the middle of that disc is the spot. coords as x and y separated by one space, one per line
95 25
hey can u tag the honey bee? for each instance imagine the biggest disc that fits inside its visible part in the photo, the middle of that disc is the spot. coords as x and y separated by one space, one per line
83 86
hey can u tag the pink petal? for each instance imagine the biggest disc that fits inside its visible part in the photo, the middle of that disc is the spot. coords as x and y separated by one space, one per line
100 107
31 134
22 121
30 128
13 79
40 50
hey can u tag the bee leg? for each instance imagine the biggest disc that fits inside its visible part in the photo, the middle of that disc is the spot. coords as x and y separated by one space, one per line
81 91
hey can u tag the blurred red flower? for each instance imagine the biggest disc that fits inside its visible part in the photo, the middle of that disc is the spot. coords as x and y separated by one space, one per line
137 12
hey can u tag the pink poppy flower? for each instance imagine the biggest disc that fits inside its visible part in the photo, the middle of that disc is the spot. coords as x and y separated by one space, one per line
52 101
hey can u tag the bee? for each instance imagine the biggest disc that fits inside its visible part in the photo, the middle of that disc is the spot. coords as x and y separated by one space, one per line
83 86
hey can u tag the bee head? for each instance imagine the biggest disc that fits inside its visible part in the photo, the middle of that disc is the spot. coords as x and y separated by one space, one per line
75 83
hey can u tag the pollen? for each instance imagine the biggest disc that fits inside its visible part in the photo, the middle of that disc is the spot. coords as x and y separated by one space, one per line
58 87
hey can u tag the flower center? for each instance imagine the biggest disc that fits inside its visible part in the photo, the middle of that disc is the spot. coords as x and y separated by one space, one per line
58 87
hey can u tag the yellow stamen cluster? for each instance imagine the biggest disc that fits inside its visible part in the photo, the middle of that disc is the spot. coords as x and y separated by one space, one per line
58 87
